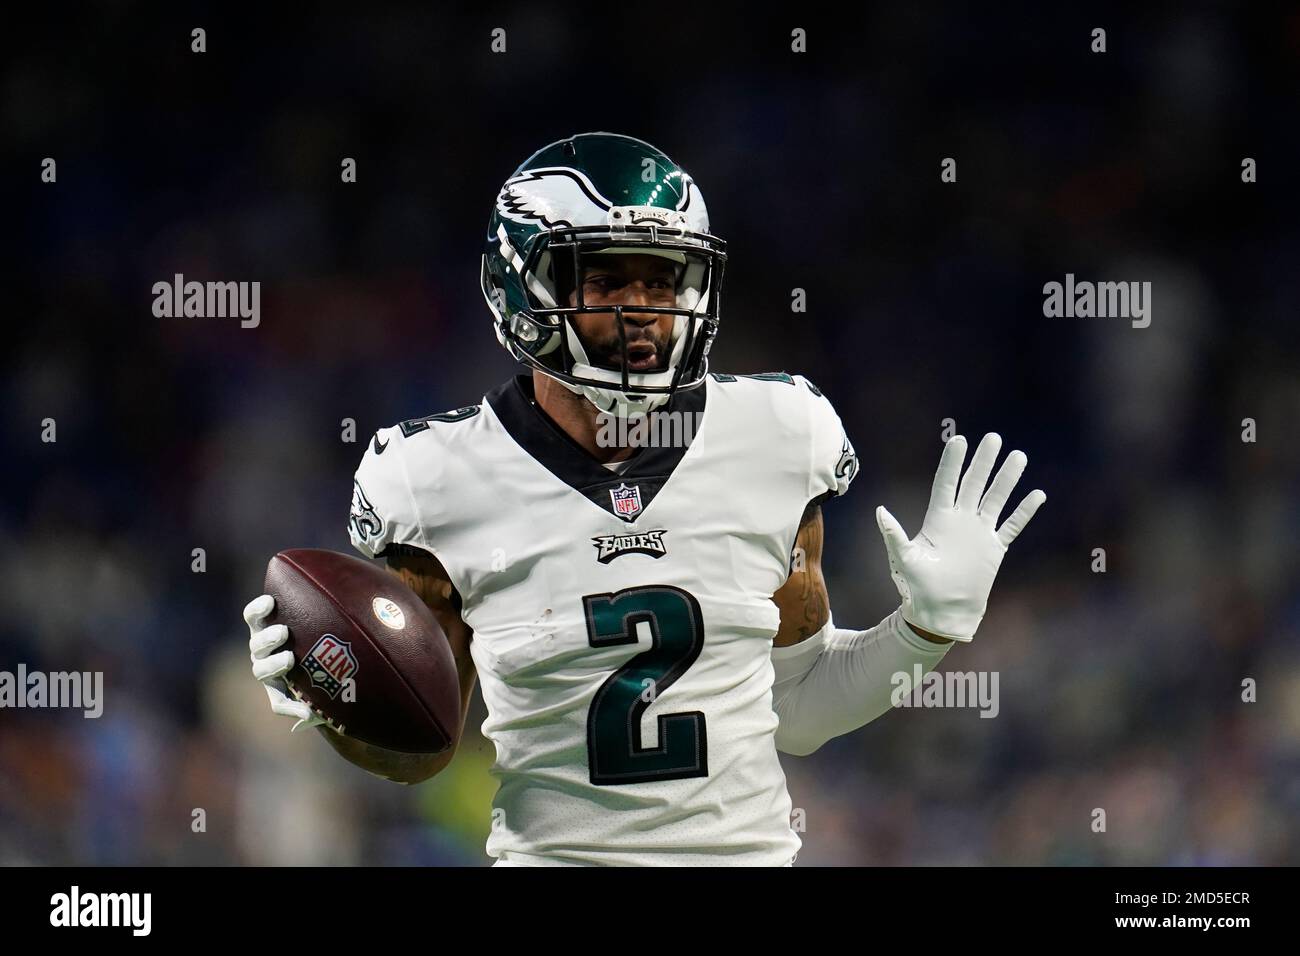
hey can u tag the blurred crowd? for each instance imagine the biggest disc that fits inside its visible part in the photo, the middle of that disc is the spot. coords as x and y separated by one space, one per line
1120 690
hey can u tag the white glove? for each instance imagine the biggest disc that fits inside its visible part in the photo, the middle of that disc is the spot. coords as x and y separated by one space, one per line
267 666
945 573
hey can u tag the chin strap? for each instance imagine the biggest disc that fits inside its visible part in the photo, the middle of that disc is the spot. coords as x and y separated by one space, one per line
613 400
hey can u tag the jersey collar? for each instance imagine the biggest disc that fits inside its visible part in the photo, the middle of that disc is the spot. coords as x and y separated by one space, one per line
547 443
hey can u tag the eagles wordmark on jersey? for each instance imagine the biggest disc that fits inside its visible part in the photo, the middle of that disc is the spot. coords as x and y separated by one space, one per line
628 686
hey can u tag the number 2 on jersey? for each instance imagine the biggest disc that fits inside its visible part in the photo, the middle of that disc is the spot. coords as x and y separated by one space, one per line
615 754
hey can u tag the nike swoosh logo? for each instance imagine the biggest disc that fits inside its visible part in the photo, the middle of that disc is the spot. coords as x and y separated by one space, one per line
379 449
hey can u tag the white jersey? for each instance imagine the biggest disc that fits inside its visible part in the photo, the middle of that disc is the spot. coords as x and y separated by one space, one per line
622 622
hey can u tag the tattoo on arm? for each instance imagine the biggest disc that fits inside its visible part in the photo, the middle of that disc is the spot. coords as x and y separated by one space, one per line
424 574
803 602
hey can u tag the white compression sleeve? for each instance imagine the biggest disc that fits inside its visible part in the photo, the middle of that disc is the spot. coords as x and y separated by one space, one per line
838 679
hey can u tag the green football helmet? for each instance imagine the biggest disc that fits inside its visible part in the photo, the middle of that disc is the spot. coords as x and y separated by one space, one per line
599 193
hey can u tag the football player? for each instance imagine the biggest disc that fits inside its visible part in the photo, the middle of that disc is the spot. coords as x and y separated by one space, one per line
648 620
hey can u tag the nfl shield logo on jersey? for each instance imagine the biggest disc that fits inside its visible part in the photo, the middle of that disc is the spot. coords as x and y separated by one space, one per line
627 501
329 664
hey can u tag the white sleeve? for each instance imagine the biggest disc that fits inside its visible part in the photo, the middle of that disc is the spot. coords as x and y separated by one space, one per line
838 680
832 460
384 510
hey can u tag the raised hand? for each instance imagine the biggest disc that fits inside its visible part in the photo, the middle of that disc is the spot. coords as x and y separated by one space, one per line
946 572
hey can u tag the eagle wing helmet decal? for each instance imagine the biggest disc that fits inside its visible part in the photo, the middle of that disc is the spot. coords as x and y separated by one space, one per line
554 196
562 196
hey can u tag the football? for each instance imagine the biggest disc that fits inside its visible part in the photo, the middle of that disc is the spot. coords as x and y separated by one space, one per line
369 656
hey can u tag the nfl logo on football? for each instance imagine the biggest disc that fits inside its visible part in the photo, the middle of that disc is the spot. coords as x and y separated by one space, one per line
627 501
330 663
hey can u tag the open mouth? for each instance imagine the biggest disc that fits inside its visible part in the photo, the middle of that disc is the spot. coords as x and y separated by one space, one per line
642 356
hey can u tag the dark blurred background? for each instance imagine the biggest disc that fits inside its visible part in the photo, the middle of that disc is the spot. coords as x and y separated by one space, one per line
1119 690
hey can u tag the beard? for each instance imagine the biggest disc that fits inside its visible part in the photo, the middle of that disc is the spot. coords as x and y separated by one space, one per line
648 349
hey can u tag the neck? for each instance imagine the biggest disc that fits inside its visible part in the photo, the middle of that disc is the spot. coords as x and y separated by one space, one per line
576 416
